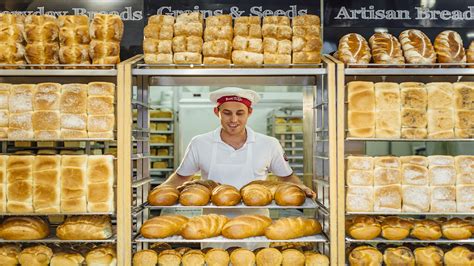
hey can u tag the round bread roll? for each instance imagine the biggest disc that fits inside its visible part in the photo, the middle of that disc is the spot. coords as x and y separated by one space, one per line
396 228
289 195
398 256
193 258
146 257
364 227
256 195
35 255
430 255
242 257
104 255
163 226
169 258
459 256
163 196
217 257
268 257
426 230
293 257
315 259
225 195
24 228
195 195
9 254
456 229
365 255
68 259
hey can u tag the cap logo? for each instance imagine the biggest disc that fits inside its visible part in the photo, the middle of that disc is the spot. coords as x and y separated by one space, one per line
233 98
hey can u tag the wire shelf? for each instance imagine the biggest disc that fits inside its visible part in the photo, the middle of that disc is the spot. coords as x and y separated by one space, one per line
410 69
413 213
57 70
411 240
55 213
220 239
408 140
308 204
54 239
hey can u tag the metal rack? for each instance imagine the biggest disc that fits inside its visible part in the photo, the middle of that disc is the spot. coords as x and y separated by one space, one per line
318 82
350 145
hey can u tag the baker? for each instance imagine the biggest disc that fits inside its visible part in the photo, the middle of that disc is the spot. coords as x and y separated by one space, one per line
233 153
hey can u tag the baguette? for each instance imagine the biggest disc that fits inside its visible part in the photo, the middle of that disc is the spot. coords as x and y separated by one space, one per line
195 195
163 196
204 226
289 195
289 228
246 226
256 195
85 227
163 226
225 195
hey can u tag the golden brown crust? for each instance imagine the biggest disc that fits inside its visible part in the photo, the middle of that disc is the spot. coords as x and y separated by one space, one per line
449 47
354 49
163 226
163 196
386 49
426 230
225 195
417 47
364 227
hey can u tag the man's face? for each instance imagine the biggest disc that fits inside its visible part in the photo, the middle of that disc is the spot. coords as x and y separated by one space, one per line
233 116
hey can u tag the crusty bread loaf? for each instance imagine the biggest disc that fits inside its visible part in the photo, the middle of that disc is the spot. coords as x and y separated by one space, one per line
365 255
102 255
315 259
24 228
195 195
217 257
458 256
46 184
429 255
9 254
268 256
36 255
395 228
247 42
426 230
306 41
163 196
11 39
449 47
386 49
20 184
417 47
169 257
106 27
85 228
456 229
163 226
66 259
289 228
256 195
193 257
158 36
364 227
292 257
242 257
204 226
147 257
353 49
73 183
289 195
246 226
225 195
398 256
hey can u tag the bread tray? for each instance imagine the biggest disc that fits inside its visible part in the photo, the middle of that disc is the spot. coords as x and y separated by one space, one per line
60 140
410 69
220 239
411 240
55 213
58 70
413 213
408 140
54 239
308 204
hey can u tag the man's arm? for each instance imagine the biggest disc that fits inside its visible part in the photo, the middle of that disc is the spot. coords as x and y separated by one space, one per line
296 180
176 180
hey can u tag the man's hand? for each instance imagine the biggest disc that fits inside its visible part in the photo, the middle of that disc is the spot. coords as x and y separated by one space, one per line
309 192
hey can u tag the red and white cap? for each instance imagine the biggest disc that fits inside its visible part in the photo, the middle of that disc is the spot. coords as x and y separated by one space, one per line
234 94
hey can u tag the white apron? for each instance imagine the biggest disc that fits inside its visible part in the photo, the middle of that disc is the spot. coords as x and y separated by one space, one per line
237 175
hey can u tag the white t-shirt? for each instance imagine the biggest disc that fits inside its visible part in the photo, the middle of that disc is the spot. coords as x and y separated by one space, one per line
268 155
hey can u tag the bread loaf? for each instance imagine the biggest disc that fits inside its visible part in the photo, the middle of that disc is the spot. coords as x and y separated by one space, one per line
74 39
256 195
247 44
361 117
225 195
429 255
106 33
20 184
100 181
85 228
315 259
163 226
306 42
67 259
187 40
41 35
470 53
413 174
195 195
204 226
387 106
289 195
388 198
365 255
417 47
395 228
426 230
353 49
449 47
158 36
359 178
456 229
11 39
103 255
276 32
386 49
364 227
289 228
169 257
73 183
443 199
9 254
246 226
163 196
293 257
398 256
36 255
416 198
458 256
46 180
193 257
217 257
24 228
242 257
360 198
268 256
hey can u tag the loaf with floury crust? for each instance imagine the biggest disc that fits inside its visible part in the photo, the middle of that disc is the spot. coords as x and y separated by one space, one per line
268 256
24 228
36 255
292 227
217 257
85 227
386 49
429 255
289 195
225 195
417 47
204 226
365 255
246 226
353 49
398 256
9 254
459 256
163 196
449 47
256 195
163 226
242 257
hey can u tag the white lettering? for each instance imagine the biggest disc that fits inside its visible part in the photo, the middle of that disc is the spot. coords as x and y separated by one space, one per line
343 12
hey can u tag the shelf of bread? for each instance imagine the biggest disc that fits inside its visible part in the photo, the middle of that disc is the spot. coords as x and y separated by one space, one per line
220 239
444 214
308 204
409 140
410 69
54 213
411 240
54 239
58 70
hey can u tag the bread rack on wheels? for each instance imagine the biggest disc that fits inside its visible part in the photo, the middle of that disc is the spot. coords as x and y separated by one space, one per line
318 84
49 153
416 194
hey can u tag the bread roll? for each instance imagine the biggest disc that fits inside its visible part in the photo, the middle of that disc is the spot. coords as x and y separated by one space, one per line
365 255
193 258
426 230
289 228
360 199
169 257
458 256
163 196
416 198
9 254
246 226
46 180
24 228
386 49
268 256
398 256
104 255
364 227
388 198
256 195
204 226
195 195
163 226
395 228
242 257
353 49
429 255
85 228
217 257
67 259
225 195
417 47
456 229
449 47
39 255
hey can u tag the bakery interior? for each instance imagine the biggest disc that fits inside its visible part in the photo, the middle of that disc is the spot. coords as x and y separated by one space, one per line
96 112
